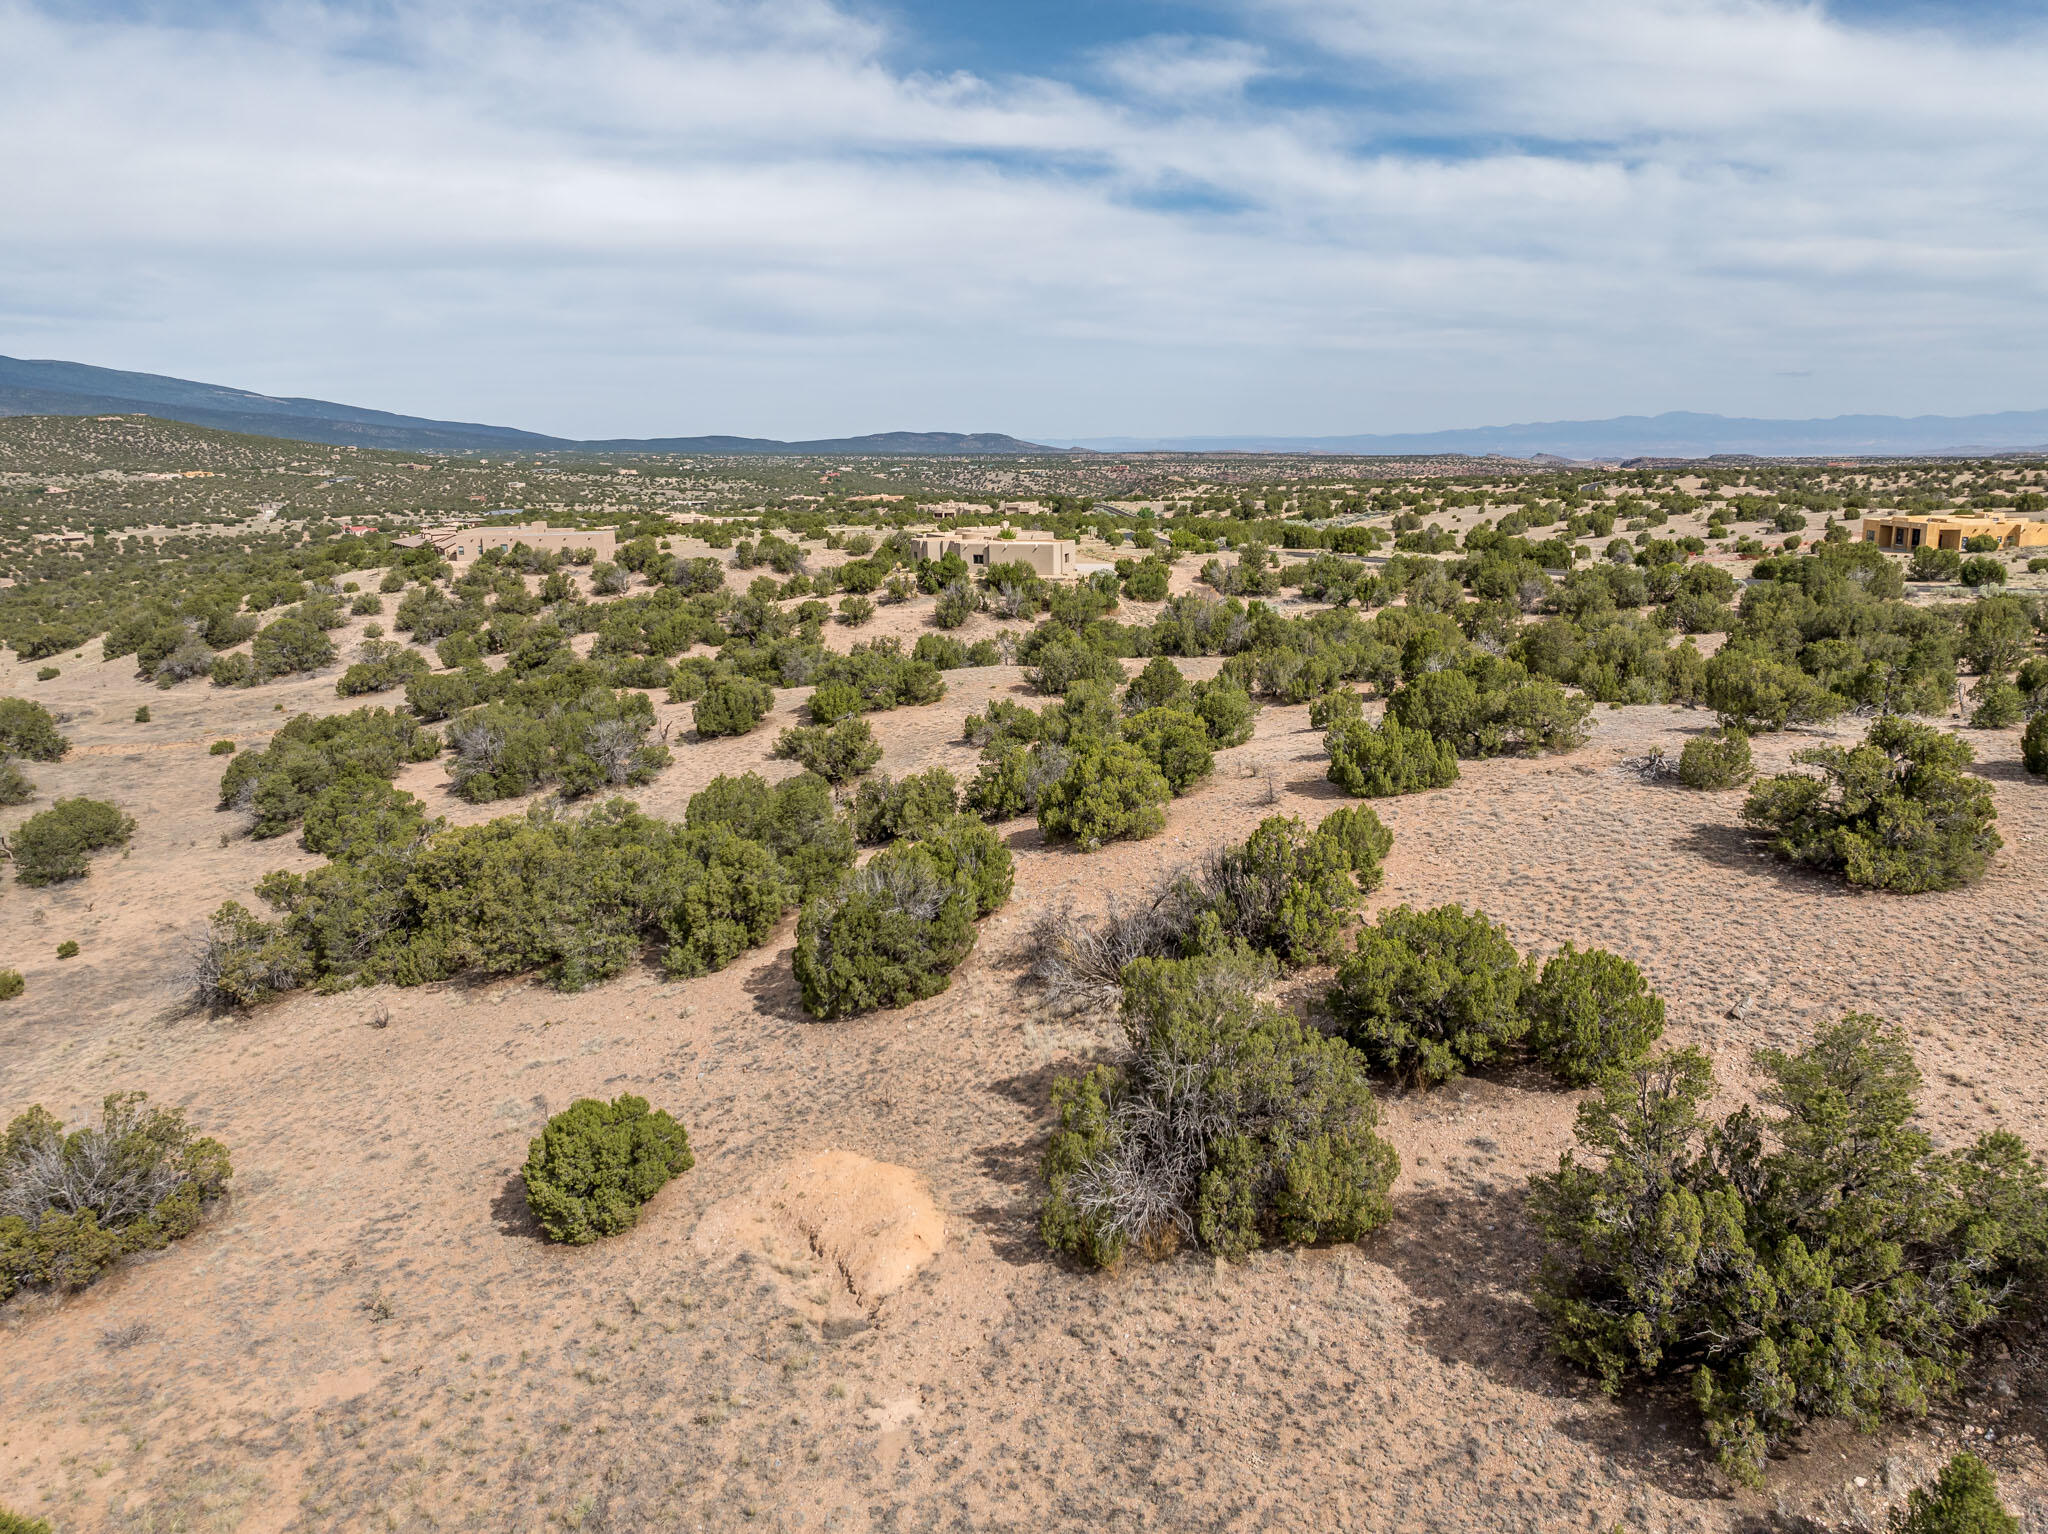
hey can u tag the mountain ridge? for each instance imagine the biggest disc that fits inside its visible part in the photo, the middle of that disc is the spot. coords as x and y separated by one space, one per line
45 387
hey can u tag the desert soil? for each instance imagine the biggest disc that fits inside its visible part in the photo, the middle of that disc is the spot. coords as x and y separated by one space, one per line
371 1335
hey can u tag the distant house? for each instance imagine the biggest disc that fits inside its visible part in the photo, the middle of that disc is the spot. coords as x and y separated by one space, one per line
1050 556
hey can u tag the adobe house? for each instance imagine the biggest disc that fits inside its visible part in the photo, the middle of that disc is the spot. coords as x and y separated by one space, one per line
1050 557
1951 530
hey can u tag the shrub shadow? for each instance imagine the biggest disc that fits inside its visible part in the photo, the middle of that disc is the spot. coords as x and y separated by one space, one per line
509 1212
1011 1222
1469 1255
1736 849
775 992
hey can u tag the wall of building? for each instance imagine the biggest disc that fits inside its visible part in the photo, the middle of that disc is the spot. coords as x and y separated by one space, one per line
468 542
1952 532
1052 558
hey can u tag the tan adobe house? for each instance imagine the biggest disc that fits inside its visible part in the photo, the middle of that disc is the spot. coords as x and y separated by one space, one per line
1050 557
1951 530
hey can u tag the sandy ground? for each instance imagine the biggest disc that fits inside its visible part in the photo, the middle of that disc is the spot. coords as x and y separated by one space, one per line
370 1334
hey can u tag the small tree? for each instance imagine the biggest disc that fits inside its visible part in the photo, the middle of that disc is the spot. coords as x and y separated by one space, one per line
911 807
73 1205
1963 1499
596 1163
1177 743
1757 694
1717 759
2034 745
1591 1013
1377 761
1896 812
1428 994
27 729
731 705
1159 685
1227 1122
52 847
890 934
1822 1262
836 753
1111 791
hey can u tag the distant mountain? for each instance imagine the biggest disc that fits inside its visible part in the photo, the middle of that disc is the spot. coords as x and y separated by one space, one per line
1675 434
74 388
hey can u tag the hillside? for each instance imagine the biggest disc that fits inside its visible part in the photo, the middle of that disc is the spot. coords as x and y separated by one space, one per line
46 388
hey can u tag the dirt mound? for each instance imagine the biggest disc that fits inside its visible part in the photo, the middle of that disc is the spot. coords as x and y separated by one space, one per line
840 1232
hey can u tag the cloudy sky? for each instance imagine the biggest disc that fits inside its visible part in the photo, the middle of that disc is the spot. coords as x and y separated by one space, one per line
1065 218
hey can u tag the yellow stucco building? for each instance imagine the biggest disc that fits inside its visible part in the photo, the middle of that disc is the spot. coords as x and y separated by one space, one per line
1951 530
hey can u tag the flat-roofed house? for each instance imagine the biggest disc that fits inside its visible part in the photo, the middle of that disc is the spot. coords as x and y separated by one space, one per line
1051 557
459 543
1953 529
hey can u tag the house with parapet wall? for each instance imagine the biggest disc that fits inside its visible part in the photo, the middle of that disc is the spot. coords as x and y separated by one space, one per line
1953 529
1050 556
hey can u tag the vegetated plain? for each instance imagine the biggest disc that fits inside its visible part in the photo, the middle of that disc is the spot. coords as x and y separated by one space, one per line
370 1329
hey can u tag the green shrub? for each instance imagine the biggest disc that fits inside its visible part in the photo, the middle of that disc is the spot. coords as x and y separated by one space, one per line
968 854
1377 761
956 604
366 606
1329 709
891 933
1429 994
1979 571
856 610
2034 745
309 754
1110 791
1963 1499
731 705
221 748
1820 1261
1286 891
1159 685
47 673
384 665
73 1205
2000 705
53 847
836 753
1753 693
16 1523
1718 759
1932 564
1227 711
68 949
293 644
794 820
1064 660
28 730
1148 580
910 808
1590 1014
596 1163
1897 812
1226 1122
1177 743
232 671
833 701
1488 706
15 787
11 984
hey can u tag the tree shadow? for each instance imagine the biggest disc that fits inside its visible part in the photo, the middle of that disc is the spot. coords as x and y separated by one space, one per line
1011 1222
775 992
1468 1255
2003 770
511 1213
1735 849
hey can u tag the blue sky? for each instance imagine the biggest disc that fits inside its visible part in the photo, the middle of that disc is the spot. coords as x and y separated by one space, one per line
607 217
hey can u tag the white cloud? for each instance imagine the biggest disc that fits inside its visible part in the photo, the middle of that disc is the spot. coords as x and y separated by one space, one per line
614 218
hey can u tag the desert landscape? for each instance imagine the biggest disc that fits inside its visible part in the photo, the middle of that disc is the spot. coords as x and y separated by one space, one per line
844 1315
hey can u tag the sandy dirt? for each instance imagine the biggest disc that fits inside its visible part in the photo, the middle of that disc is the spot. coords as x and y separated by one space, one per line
371 1335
